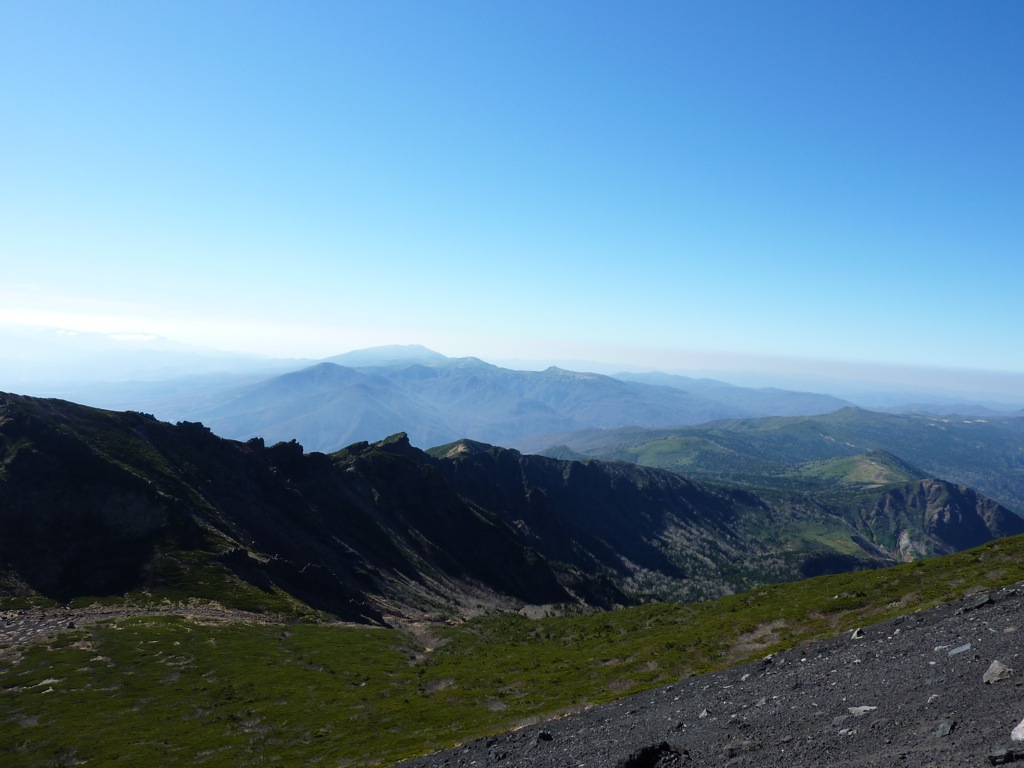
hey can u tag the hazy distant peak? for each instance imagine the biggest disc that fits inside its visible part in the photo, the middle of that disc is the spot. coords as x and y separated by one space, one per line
554 370
467 362
392 354
324 367
319 373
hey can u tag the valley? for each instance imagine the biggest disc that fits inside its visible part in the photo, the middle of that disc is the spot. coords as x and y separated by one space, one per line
787 452
101 502
231 600
511 385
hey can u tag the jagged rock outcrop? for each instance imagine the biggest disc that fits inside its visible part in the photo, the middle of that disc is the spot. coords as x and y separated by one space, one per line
96 502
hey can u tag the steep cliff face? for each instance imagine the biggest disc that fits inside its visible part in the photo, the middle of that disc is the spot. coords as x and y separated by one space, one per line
643 528
654 531
96 502
929 517
67 515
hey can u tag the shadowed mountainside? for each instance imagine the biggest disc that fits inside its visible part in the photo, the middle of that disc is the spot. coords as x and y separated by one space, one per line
100 502
657 532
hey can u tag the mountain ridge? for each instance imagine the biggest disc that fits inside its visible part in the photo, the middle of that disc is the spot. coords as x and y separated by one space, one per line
436 400
102 502
986 454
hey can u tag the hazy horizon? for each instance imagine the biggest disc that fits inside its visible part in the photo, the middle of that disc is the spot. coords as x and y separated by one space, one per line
761 191
72 362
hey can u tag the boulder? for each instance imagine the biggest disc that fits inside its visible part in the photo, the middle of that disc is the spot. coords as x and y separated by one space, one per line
997 671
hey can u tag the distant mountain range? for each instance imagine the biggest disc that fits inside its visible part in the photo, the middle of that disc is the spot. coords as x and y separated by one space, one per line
97 502
983 453
149 372
370 394
763 401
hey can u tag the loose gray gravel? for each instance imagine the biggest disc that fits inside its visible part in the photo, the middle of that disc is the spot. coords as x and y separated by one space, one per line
908 692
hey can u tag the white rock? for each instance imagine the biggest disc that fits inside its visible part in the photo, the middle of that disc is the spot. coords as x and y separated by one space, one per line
860 711
1017 734
997 671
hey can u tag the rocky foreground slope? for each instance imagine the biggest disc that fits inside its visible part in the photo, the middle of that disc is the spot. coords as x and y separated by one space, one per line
943 687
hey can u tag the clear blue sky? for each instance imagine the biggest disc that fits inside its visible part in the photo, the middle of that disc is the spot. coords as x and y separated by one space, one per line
652 183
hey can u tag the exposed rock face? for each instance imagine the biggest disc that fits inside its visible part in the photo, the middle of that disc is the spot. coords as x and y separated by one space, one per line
908 549
97 502
930 517
658 532
67 515
894 697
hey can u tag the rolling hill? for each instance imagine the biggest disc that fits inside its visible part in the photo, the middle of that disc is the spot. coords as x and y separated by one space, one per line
982 453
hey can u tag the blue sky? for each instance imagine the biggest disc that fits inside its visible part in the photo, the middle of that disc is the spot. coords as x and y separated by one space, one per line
661 184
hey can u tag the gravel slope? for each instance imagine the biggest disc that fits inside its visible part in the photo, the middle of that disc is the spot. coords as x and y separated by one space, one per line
909 692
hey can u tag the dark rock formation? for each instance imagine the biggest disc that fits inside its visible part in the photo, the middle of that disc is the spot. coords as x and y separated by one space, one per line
100 503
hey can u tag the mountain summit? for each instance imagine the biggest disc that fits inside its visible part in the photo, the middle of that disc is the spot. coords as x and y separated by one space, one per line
370 394
393 354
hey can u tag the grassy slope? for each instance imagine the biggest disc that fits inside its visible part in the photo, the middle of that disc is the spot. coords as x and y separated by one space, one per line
163 690
871 470
984 454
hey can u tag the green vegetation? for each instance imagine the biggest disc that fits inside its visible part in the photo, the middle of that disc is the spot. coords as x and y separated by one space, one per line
870 470
984 454
94 502
165 690
187 575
